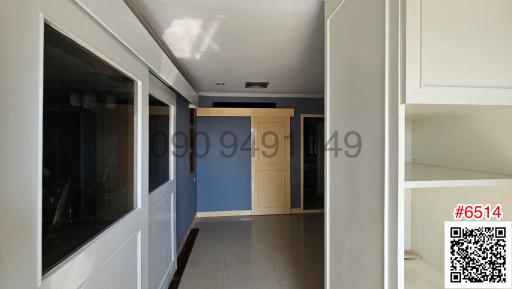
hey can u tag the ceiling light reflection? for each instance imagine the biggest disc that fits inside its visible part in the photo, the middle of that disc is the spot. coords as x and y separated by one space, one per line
182 35
187 38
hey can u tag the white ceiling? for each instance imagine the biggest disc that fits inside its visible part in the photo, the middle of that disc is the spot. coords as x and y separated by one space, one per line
234 41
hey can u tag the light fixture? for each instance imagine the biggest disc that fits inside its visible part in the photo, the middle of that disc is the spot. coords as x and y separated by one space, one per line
256 84
89 100
110 102
75 99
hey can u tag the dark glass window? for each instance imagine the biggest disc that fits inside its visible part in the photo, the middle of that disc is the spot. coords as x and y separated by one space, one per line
159 121
88 146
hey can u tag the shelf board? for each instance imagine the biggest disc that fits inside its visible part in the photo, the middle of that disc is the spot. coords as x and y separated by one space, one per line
427 176
417 111
420 275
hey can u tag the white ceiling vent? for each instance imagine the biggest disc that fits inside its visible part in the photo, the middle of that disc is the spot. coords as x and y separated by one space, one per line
256 84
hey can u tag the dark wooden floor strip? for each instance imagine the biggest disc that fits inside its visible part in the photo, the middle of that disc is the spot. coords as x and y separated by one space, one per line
183 258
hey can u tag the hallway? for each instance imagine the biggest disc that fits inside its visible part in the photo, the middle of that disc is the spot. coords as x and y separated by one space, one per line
257 252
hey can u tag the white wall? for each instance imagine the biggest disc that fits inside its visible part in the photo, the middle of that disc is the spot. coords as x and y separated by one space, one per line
20 160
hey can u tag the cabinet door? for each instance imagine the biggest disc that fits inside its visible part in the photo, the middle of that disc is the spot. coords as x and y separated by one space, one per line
361 100
458 52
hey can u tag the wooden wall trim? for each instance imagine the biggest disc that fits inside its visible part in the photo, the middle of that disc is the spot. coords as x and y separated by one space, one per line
159 110
217 111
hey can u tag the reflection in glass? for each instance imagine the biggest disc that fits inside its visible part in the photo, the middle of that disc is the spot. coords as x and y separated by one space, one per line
158 143
88 147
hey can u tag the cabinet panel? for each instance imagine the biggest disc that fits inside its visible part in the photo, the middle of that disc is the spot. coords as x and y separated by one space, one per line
360 67
459 51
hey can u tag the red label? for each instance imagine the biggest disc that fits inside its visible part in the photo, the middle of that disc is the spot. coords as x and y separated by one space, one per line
476 212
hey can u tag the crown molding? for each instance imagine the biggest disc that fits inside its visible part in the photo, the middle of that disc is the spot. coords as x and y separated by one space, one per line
138 11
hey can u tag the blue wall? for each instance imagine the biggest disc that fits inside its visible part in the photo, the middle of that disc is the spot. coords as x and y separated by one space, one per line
301 106
223 174
186 196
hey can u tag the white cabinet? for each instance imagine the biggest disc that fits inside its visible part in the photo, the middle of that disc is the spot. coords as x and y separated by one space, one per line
456 154
362 96
446 142
458 52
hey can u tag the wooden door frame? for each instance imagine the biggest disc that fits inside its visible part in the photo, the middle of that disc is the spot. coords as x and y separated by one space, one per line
241 112
302 117
249 112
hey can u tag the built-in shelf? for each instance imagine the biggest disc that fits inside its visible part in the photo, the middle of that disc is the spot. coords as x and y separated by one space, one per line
421 275
427 176
411 255
416 111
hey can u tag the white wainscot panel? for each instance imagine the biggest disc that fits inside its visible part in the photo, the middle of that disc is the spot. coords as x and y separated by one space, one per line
160 247
121 271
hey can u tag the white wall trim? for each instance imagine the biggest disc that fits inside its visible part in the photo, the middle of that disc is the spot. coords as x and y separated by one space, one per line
144 47
223 214
166 281
262 94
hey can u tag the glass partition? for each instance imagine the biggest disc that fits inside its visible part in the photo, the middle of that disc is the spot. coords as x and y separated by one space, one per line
159 122
88 146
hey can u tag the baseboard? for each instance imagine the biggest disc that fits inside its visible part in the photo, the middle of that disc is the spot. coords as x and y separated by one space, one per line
301 211
223 214
312 211
166 282
182 242
248 213
183 259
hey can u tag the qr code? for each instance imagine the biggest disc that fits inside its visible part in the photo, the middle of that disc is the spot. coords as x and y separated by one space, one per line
478 255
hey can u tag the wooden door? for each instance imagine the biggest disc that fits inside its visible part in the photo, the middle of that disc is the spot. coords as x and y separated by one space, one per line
270 165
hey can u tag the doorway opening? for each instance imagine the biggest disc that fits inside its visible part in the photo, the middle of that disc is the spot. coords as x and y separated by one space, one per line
312 162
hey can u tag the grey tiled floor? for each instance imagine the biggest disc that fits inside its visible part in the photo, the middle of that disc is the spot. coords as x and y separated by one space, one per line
264 252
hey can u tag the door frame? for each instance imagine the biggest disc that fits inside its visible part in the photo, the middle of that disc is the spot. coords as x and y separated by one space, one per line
302 117
250 112
159 195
